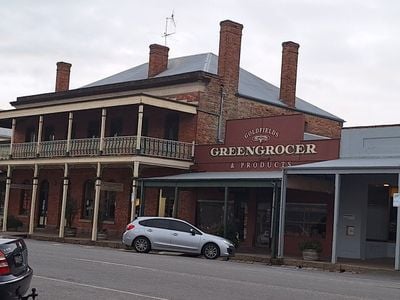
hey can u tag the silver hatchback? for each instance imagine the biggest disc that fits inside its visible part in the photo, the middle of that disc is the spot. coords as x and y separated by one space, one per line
169 234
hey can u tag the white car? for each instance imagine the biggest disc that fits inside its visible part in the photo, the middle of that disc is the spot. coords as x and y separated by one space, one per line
169 234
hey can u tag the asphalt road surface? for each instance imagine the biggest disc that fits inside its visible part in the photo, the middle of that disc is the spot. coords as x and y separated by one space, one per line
65 271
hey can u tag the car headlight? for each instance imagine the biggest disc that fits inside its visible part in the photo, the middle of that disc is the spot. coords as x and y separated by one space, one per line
228 243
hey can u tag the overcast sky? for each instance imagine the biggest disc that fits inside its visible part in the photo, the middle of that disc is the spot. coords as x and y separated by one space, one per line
349 56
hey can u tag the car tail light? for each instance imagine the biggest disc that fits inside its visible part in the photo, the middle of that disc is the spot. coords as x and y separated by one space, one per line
130 227
4 268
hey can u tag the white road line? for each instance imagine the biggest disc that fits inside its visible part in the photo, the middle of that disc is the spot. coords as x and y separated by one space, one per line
230 281
99 287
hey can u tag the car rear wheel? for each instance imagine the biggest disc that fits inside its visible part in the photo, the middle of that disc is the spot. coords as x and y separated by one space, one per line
141 244
210 251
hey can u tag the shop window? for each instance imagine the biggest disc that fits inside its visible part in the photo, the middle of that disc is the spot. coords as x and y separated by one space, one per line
306 219
88 200
30 135
210 215
116 127
392 217
25 199
93 130
166 202
381 215
107 211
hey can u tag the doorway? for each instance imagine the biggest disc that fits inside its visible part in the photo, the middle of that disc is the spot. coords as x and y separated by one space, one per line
43 203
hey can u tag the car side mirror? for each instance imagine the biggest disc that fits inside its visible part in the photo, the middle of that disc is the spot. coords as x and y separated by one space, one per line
192 231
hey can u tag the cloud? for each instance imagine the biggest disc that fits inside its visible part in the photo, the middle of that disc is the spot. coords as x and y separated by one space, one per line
348 59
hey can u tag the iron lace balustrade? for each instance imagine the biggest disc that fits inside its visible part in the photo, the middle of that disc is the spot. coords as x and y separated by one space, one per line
4 151
24 150
120 145
53 148
85 147
166 148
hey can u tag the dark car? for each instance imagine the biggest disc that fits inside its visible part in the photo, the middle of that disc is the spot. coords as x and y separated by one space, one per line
15 273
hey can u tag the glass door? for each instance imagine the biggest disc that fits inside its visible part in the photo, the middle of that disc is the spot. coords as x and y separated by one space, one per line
43 202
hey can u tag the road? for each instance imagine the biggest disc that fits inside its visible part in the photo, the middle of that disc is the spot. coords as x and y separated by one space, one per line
66 271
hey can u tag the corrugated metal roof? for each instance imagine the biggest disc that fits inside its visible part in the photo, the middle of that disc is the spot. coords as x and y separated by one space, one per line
365 163
249 85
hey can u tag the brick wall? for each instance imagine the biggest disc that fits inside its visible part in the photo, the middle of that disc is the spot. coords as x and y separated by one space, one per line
314 124
187 206
22 125
62 77
158 59
151 196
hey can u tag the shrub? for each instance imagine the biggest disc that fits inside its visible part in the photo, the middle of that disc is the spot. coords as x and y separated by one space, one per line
311 245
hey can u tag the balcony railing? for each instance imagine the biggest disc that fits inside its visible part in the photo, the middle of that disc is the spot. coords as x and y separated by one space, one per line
52 148
85 147
24 150
123 145
4 150
119 145
165 148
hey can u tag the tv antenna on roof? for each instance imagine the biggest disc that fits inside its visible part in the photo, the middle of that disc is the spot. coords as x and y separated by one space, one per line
169 20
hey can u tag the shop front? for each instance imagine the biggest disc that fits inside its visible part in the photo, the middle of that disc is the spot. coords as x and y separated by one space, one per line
365 181
234 188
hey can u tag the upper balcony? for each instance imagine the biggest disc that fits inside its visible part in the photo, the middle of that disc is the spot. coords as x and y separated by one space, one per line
108 146
108 129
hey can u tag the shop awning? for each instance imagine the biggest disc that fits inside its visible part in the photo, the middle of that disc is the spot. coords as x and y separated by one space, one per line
216 179
349 165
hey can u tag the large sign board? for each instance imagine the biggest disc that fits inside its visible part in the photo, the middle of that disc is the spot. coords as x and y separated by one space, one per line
264 144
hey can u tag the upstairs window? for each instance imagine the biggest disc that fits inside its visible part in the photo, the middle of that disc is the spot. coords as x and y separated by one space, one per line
49 133
171 127
116 127
93 130
30 135
145 126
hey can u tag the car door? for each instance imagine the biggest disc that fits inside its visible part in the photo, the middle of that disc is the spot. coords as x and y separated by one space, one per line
182 238
157 230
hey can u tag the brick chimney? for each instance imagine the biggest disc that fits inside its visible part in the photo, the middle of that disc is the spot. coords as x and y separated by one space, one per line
289 73
229 54
158 60
62 77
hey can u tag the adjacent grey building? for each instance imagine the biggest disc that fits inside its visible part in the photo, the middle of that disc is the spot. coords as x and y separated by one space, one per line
364 181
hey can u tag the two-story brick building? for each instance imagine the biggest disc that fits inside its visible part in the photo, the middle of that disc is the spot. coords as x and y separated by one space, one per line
81 156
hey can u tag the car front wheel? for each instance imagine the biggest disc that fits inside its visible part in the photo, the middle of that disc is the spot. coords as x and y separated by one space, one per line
210 251
141 244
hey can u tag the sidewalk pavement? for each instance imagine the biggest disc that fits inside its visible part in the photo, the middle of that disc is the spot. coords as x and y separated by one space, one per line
355 266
